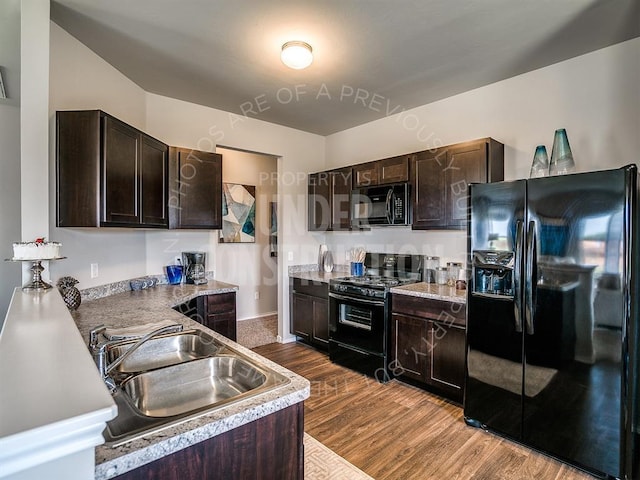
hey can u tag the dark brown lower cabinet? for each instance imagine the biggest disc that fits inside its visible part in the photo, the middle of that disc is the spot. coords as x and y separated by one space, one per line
310 311
266 449
428 344
218 312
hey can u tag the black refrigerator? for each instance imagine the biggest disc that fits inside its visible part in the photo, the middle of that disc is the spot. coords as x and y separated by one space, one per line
552 317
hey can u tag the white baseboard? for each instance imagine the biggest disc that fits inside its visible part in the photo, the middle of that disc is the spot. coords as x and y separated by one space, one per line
257 316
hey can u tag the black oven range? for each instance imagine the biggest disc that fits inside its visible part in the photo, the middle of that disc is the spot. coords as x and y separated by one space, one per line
360 310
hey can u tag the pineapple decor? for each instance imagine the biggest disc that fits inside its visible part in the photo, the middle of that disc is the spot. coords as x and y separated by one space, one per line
70 294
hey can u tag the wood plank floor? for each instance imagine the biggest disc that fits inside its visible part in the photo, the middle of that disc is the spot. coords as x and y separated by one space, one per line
396 431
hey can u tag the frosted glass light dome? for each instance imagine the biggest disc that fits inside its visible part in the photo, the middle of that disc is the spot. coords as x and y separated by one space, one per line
296 55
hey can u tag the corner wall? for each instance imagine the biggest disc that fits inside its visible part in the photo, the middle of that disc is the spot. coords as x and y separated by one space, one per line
594 96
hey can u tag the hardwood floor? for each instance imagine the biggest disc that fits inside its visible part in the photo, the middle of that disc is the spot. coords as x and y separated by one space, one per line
396 431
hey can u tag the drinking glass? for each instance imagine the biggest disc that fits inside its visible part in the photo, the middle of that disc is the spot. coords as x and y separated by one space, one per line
174 274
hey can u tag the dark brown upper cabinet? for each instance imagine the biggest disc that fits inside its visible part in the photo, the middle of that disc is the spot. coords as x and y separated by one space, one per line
441 178
381 172
108 173
195 189
329 195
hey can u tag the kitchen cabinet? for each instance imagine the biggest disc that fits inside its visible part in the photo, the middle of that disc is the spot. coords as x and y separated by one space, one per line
218 312
195 189
310 311
428 344
381 172
267 448
108 173
440 179
329 195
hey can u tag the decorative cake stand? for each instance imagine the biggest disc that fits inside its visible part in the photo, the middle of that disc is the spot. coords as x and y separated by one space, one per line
36 284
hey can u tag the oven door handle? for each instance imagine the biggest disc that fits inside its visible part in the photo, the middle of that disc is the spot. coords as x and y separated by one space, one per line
377 303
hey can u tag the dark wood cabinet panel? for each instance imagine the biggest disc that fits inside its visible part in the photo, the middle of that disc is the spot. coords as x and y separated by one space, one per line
153 181
441 178
120 167
218 312
108 173
319 202
429 344
309 312
447 361
428 195
395 169
78 153
265 449
366 174
341 186
195 189
410 347
380 172
329 196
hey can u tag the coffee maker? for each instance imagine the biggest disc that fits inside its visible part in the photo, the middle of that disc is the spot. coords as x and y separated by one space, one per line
194 267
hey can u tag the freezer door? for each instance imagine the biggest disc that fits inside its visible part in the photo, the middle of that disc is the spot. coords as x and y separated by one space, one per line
574 336
494 321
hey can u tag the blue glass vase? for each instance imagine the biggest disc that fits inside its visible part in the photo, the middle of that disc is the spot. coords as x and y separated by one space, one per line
561 156
540 164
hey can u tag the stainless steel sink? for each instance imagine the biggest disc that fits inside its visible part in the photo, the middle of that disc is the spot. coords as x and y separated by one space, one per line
190 386
156 399
164 350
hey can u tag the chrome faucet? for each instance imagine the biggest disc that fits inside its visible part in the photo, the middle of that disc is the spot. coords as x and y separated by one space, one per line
99 350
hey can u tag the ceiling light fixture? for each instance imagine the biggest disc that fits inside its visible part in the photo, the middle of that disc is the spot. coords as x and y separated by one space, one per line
296 55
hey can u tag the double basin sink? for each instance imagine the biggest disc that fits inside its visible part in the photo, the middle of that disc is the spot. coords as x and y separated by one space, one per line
176 377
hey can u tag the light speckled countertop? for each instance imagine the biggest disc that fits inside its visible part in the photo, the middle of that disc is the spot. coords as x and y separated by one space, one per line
152 305
310 272
432 291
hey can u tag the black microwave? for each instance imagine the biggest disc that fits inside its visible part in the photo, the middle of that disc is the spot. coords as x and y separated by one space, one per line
381 205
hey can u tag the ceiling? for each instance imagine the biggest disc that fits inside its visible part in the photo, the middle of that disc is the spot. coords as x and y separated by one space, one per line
372 58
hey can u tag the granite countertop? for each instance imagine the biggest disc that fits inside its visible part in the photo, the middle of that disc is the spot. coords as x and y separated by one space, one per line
432 291
154 304
310 272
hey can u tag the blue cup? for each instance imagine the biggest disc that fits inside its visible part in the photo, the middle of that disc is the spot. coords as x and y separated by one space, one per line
357 269
174 274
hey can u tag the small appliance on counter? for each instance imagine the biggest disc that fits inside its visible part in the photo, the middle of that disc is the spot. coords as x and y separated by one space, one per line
194 267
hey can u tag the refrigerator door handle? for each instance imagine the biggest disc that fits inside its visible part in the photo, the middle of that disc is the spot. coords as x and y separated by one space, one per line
529 281
517 272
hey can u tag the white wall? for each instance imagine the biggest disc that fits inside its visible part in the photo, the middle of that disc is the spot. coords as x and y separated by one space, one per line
596 97
81 80
194 126
9 150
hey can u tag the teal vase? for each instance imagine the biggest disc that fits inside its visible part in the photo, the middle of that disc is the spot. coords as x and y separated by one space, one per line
561 156
540 164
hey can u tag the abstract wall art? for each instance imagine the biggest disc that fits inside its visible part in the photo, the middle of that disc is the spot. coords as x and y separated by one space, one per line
238 213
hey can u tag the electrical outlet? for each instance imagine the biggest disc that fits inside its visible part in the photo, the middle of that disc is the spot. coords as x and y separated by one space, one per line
94 270
256 295
177 260
290 256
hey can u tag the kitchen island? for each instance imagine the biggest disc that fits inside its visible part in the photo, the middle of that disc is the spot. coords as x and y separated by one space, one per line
156 304
199 434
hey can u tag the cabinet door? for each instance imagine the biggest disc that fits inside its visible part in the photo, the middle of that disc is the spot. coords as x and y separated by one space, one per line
195 189
120 188
319 202
428 180
302 316
321 321
447 360
153 182
411 347
341 199
366 174
221 314
395 169
466 164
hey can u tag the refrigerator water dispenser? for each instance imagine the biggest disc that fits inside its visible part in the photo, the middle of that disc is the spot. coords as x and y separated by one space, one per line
493 272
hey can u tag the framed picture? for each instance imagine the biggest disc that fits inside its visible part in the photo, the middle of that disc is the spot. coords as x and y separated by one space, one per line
238 213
